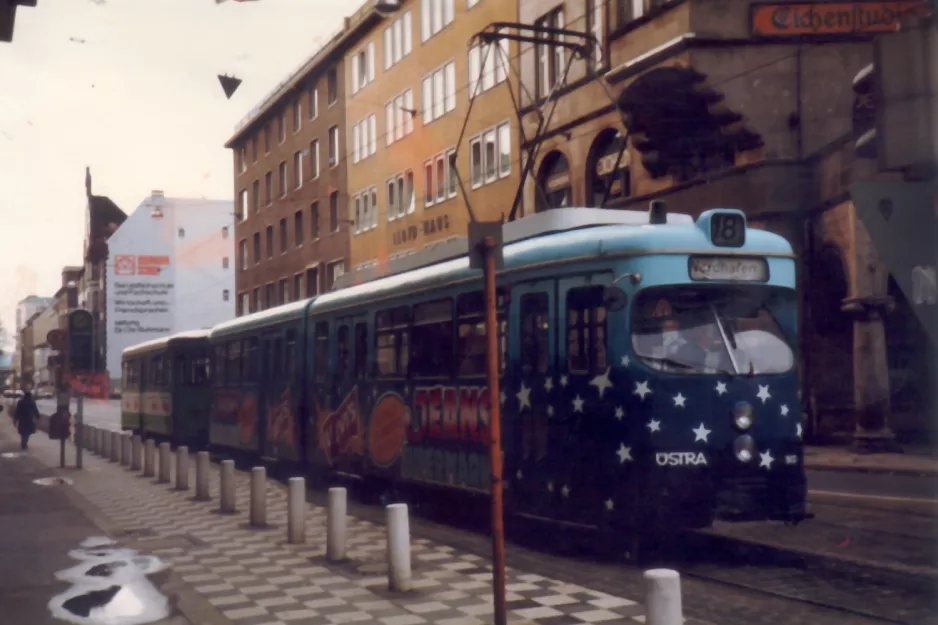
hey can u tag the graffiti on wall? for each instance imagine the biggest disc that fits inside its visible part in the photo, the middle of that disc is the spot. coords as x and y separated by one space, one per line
281 434
341 431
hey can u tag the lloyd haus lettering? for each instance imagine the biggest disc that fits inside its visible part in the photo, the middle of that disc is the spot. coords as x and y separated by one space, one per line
832 18
425 227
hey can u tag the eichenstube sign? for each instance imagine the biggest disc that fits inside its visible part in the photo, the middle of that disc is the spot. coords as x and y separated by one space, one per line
832 18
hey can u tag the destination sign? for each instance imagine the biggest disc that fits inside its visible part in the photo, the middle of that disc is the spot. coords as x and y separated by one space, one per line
729 269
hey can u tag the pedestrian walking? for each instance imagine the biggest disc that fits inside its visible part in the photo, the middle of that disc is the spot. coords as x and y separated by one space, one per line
25 418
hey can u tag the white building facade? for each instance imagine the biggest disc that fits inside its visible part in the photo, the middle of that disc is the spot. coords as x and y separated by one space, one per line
170 270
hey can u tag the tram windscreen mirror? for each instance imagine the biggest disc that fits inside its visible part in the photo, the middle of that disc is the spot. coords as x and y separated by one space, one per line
727 230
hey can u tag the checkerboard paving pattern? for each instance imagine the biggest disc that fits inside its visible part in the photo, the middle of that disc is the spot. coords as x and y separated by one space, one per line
255 578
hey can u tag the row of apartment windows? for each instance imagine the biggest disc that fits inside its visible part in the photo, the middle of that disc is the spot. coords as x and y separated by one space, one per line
282 292
299 233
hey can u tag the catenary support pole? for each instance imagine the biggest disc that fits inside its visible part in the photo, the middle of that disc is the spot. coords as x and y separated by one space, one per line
398 542
663 597
227 486
296 510
258 497
202 473
336 524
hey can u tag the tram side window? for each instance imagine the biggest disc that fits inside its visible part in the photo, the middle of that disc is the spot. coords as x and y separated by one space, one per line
322 351
392 342
586 330
432 340
267 358
361 350
234 362
199 371
535 333
471 344
181 368
342 353
250 359
290 356
221 361
277 369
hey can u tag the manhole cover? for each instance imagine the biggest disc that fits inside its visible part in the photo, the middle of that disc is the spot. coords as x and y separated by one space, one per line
52 481
12 454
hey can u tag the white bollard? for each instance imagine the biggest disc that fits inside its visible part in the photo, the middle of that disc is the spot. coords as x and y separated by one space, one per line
226 489
149 457
296 510
399 573
125 449
335 525
136 452
93 438
104 449
202 470
165 469
258 497
115 446
182 468
663 597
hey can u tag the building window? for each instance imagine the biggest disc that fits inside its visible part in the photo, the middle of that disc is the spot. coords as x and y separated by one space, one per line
254 149
332 86
243 205
314 158
256 299
550 57
628 10
434 16
366 210
399 117
494 58
242 160
268 131
439 92
283 295
269 295
244 304
224 232
182 233
268 184
225 295
314 219
398 40
471 3
283 178
297 286
490 155
312 282
333 146
243 254
333 271
400 195
553 183
270 241
313 105
283 236
596 26
334 211
256 196
224 262
257 248
298 169
298 228
283 127
297 115
364 141
363 67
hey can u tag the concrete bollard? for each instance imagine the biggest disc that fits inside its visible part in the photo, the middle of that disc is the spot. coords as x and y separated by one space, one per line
105 448
258 497
335 524
296 510
226 489
86 437
182 468
136 452
149 457
398 527
93 438
125 449
663 597
165 469
115 446
202 469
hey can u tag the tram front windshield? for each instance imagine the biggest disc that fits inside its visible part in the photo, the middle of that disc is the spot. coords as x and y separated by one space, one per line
713 329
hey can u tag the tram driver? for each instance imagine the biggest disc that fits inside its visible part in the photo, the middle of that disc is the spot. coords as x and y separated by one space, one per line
679 343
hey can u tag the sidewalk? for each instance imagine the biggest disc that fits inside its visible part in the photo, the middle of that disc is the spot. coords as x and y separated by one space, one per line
841 459
254 577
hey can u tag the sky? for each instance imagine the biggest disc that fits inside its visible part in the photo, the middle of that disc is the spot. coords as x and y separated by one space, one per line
129 88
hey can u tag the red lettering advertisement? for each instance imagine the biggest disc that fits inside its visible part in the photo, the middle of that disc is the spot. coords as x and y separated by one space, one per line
341 431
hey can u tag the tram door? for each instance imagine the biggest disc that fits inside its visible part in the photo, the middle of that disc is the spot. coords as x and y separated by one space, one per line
532 357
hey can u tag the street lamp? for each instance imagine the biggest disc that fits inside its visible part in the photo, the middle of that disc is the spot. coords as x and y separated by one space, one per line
386 8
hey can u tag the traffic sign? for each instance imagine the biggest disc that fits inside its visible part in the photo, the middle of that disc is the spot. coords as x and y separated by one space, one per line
80 340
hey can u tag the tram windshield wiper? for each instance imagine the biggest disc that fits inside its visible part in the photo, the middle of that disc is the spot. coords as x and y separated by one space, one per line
669 361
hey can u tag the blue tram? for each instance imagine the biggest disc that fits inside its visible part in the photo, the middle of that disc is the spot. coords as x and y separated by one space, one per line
647 372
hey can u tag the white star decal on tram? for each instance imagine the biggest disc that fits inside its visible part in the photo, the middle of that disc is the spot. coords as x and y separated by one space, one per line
700 433
679 400
766 459
721 388
624 453
641 389
577 404
524 397
620 413
501 397
550 411
565 491
601 382
653 426
798 430
763 393
564 380
610 504
784 410
626 361
519 474
549 384
550 487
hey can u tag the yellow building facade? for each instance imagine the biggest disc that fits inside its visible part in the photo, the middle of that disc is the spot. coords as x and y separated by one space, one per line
408 91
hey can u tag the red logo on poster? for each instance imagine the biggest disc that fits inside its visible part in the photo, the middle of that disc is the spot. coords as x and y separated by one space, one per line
125 265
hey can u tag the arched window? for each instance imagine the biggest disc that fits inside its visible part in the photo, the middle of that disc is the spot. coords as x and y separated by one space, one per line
554 189
607 167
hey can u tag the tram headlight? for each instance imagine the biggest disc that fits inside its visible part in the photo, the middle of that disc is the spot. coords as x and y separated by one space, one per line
744 448
743 415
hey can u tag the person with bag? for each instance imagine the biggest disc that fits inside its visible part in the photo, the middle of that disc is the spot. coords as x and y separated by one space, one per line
25 418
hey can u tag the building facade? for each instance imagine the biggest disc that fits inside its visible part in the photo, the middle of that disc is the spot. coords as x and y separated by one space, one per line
26 309
290 176
171 270
708 104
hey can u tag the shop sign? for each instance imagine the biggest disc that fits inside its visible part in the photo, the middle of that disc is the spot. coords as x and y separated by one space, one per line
832 18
